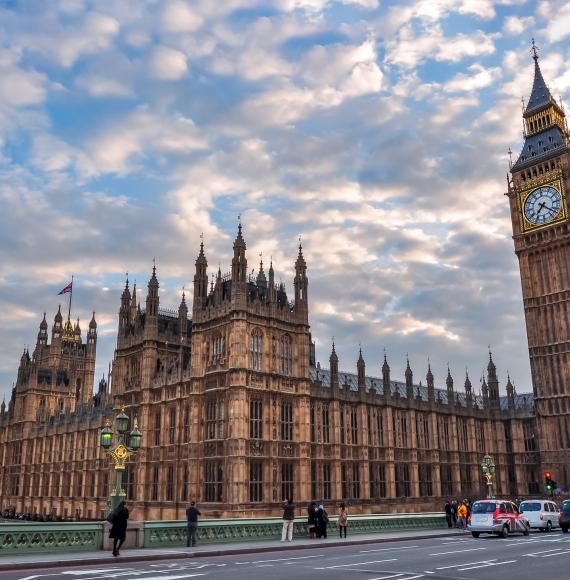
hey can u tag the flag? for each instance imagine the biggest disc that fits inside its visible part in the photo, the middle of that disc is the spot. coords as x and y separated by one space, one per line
67 289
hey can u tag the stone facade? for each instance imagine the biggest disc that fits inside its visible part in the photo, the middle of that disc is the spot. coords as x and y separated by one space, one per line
538 196
236 413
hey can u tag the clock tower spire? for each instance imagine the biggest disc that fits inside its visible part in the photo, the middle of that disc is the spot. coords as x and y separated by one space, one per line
537 192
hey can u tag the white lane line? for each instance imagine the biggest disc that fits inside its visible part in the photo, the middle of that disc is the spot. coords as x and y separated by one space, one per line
537 554
389 576
358 564
386 549
485 565
86 572
456 542
466 564
281 559
174 577
457 551
556 554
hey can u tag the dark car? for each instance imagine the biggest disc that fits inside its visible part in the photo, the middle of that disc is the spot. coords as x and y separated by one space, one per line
564 516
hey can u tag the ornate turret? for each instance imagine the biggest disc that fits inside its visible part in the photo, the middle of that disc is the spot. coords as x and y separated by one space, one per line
92 332
334 368
468 389
183 315
409 380
271 295
261 279
510 393
301 283
152 299
57 326
430 384
545 130
239 261
124 311
484 392
133 308
449 386
200 281
361 368
386 377
43 334
493 383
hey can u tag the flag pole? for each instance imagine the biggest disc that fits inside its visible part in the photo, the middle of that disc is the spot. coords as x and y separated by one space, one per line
70 297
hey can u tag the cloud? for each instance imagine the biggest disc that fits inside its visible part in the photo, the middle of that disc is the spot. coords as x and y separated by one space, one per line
180 17
167 64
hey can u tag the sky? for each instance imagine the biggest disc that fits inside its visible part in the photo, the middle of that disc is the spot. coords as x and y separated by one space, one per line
377 130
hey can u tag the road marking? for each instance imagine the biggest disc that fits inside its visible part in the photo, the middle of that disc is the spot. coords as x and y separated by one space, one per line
556 554
465 564
537 554
456 542
357 564
86 572
485 565
281 559
457 552
385 549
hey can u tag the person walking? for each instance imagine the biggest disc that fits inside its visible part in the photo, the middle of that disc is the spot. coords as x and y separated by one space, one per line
461 516
118 519
312 519
288 521
322 522
342 521
454 513
448 509
192 514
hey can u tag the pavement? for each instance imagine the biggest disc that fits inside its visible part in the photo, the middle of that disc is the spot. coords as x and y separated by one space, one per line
57 560
439 557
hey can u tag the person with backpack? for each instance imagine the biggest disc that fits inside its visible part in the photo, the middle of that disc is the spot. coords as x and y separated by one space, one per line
322 522
118 520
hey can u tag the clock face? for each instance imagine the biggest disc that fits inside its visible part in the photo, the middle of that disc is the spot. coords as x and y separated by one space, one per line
542 205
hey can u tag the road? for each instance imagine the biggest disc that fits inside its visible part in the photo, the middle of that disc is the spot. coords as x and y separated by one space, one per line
539 556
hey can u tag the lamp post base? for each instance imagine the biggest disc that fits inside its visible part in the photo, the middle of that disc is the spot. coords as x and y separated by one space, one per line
115 499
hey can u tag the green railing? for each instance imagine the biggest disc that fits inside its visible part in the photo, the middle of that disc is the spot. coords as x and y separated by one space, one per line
173 532
22 538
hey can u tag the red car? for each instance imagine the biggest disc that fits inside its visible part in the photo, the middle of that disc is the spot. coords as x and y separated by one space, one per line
497 516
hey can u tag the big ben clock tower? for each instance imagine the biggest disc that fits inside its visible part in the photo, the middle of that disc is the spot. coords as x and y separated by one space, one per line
538 196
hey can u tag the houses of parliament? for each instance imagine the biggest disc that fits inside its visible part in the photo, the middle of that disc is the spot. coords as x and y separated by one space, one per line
237 414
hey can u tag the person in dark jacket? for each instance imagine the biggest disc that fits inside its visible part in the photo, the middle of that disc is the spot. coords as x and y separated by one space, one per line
118 532
312 519
448 509
288 521
192 514
322 522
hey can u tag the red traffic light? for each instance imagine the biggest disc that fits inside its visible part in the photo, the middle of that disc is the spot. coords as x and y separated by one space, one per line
547 475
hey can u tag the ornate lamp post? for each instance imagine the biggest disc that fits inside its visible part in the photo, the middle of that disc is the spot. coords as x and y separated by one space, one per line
488 469
120 450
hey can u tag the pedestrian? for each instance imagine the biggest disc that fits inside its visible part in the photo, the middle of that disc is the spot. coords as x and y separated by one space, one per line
448 509
322 522
118 519
312 519
461 516
288 520
192 514
342 521
454 513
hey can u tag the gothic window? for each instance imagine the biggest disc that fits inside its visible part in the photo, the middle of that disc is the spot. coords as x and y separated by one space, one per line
463 435
443 433
170 483
184 490
78 485
187 418
403 480
218 347
77 389
214 481
369 425
157 427
528 434
255 420
256 350
312 424
215 420
286 481
355 481
286 359
354 426
172 426
508 438
425 477
154 484
446 480
327 486
255 481
343 480
380 428
422 431
342 432
377 480
286 421
325 418
465 476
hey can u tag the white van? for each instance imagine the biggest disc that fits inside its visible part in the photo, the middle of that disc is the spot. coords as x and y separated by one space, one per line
542 514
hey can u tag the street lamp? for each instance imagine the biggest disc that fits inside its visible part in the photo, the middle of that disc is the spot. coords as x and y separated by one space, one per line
120 450
488 469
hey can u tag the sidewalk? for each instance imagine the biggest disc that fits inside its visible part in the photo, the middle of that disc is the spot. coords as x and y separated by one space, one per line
34 561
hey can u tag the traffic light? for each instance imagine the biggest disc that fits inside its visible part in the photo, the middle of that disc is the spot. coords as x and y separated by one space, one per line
549 483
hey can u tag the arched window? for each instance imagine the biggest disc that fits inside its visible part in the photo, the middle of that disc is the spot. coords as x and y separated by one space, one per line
286 363
256 350
217 347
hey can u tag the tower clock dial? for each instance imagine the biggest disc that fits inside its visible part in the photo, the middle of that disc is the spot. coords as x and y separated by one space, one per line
542 205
